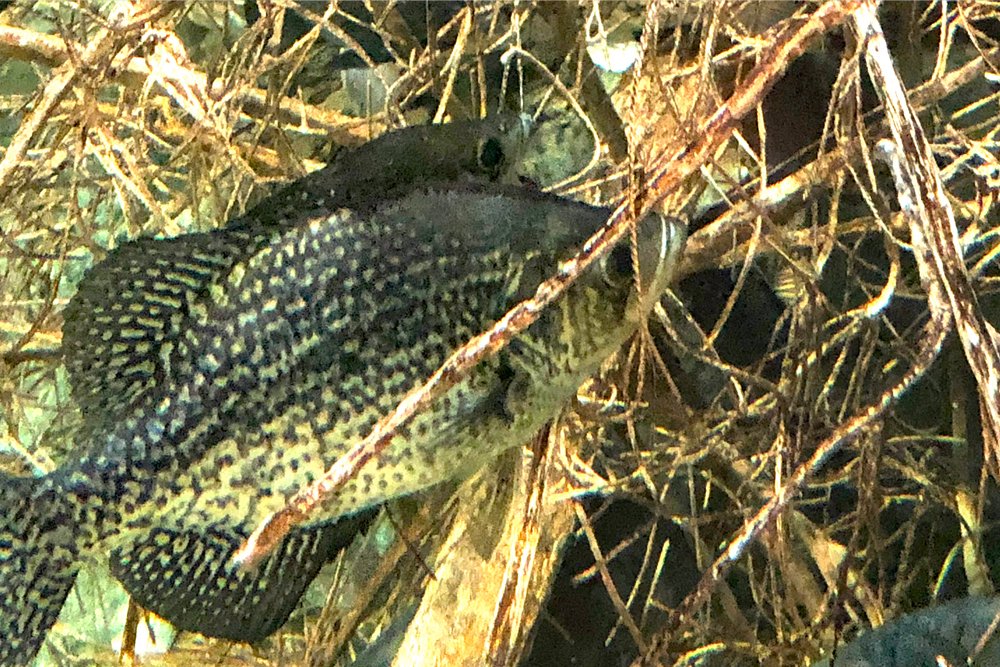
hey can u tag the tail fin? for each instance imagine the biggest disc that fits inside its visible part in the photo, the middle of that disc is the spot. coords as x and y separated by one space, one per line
38 563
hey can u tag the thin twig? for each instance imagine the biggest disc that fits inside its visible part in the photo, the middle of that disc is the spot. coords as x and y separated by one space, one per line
933 336
922 195
733 228
32 46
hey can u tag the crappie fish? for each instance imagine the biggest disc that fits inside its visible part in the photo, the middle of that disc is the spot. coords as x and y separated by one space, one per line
221 372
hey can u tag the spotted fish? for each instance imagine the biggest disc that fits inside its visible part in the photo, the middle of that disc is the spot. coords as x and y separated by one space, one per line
256 371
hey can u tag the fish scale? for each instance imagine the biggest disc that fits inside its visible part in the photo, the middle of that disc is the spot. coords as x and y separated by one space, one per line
276 365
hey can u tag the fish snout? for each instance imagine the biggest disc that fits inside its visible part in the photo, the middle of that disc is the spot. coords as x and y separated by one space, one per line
659 243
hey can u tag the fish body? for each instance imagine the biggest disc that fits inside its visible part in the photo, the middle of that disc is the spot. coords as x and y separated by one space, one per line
235 381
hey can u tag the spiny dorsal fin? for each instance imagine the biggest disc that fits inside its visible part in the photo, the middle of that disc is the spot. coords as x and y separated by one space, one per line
132 303
187 577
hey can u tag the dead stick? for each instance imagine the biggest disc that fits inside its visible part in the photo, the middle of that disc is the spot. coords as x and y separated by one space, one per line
933 232
712 245
932 337
28 45
919 189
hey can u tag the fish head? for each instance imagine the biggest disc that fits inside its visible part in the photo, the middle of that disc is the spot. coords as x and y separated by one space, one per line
611 298
456 154
644 262
604 305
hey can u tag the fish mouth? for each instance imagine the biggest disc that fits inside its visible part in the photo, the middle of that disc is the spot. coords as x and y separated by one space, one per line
661 241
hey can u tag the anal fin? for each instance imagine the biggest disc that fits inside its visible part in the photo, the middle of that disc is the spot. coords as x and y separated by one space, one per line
187 576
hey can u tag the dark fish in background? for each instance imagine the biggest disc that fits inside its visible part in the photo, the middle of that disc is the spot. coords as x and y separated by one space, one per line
355 19
340 68
220 372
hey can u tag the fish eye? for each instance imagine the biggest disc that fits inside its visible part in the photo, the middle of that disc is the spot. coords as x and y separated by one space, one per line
617 264
490 156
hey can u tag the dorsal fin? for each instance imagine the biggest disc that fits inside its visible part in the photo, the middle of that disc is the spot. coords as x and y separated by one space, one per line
135 301
127 306
187 577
